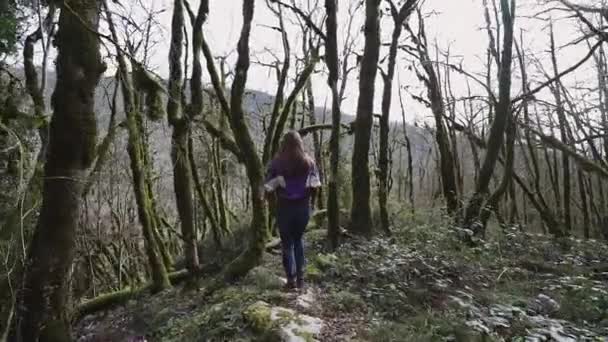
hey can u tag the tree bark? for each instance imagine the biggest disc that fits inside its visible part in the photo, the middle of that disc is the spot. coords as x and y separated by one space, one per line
447 168
252 256
182 174
291 101
137 155
493 200
317 143
361 214
32 193
280 93
331 47
503 111
41 309
584 204
399 17
564 137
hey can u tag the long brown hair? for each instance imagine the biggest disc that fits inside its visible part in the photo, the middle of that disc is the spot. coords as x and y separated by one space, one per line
292 157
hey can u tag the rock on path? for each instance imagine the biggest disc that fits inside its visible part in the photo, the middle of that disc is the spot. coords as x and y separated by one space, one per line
283 323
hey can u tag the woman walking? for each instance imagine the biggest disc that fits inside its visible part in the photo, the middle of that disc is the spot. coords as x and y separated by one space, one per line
293 179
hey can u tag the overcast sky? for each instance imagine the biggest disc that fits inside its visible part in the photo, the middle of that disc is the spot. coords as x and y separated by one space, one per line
456 24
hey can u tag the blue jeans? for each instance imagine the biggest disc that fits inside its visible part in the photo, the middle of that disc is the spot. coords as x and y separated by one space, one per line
292 219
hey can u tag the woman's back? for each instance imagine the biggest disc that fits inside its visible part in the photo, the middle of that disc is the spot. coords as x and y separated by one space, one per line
294 170
292 175
297 181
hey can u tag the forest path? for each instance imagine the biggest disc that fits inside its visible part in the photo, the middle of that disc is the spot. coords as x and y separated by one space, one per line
420 285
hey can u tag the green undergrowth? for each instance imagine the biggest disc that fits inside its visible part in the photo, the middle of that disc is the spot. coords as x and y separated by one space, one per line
421 284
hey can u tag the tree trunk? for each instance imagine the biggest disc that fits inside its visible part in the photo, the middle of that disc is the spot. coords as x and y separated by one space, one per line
317 143
41 310
222 210
137 155
182 175
280 93
493 200
561 115
361 215
333 207
291 101
252 256
32 193
446 165
408 145
182 181
503 111
399 17
584 206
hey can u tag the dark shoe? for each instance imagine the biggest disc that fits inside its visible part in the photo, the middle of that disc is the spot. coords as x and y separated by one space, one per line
290 285
300 284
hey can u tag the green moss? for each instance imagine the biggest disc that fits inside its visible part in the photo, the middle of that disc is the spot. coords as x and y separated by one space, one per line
325 261
104 301
346 302
308 337
258 316
235 295
263 279
285 317
89 127
153 91
313 272
277 297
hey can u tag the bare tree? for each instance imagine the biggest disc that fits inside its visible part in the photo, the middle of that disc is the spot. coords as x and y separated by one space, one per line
331 60
400 16
41 310
181 122
139 163
499 124
361 215
437 104
243 146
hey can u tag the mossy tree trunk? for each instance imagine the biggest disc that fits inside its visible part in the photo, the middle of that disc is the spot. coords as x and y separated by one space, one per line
147 165
182 175
137 156
291 100
253 165
317 142
209 212
564 129
219 186
492 204
31 196
447 165
399 17
282 73
331 48
42 308
408 145
282 108
243 147
499 124
361 213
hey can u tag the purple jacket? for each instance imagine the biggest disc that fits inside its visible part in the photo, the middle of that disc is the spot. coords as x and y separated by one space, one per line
296 187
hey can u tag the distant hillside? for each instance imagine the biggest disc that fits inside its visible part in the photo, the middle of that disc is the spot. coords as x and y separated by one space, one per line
256 103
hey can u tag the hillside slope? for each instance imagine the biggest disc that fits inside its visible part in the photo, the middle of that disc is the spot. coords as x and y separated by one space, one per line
422 285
